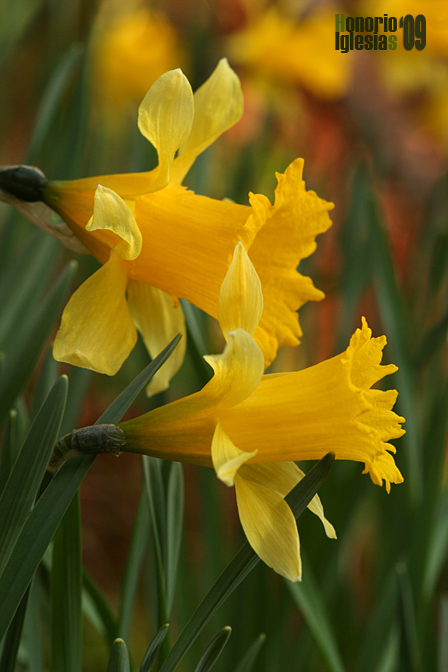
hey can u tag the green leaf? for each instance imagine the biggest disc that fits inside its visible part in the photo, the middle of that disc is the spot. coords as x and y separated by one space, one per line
37 533
51 100
437 548
395 317
432 341
13 637
66 590
389 661
166 512
247 662
409 650
9 449
79 382
309 599
153 649
356 270
22 424
137 548
25 478
155 490
102 610
174 523
22 285
119 657
14 24
443 636
121 404
213 650
380 624
32 628
44 519
241 565
20 363
47 378
195 345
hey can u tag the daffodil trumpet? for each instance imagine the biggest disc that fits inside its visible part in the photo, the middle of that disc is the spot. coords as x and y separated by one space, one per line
252 428
158 241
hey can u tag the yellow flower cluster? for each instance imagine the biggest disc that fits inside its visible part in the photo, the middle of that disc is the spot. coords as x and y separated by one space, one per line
252 427
158 241
183 242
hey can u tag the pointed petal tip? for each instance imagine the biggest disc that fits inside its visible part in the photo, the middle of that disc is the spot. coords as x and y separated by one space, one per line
240 301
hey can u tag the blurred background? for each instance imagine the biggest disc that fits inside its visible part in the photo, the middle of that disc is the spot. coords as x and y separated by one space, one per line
372 127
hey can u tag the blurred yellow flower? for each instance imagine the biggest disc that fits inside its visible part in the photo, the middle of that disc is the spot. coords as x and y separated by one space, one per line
250 427
132 47
277 47
182 243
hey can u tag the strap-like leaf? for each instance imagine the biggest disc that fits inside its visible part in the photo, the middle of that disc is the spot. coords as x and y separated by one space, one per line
23 483
247 662
66 591
174 523
243 563
47 514
121 404
153 649
213 650
119 657
137 548
312 605
20 362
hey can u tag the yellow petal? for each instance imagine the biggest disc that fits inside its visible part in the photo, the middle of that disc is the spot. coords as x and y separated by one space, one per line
158 320
240 302
96 329
189 240
303 415
183 430
201 234
287 237
269 525
283 477
218 106
316 507
237 371
112 213
226 457
165 117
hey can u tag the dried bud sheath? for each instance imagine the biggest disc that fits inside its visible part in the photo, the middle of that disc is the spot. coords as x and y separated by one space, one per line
24 182
94 440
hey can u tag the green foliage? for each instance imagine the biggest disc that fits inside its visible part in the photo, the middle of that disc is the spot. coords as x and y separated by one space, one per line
66 585
213 650
372 601
119 658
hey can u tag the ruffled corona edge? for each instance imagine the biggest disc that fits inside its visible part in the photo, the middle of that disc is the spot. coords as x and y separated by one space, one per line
362 360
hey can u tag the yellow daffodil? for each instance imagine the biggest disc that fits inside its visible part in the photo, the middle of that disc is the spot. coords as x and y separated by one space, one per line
132 47
250 427
158 241
277 47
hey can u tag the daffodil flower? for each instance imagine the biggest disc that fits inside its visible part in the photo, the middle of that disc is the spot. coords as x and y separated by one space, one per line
158 241
279 48
132 45
252 427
